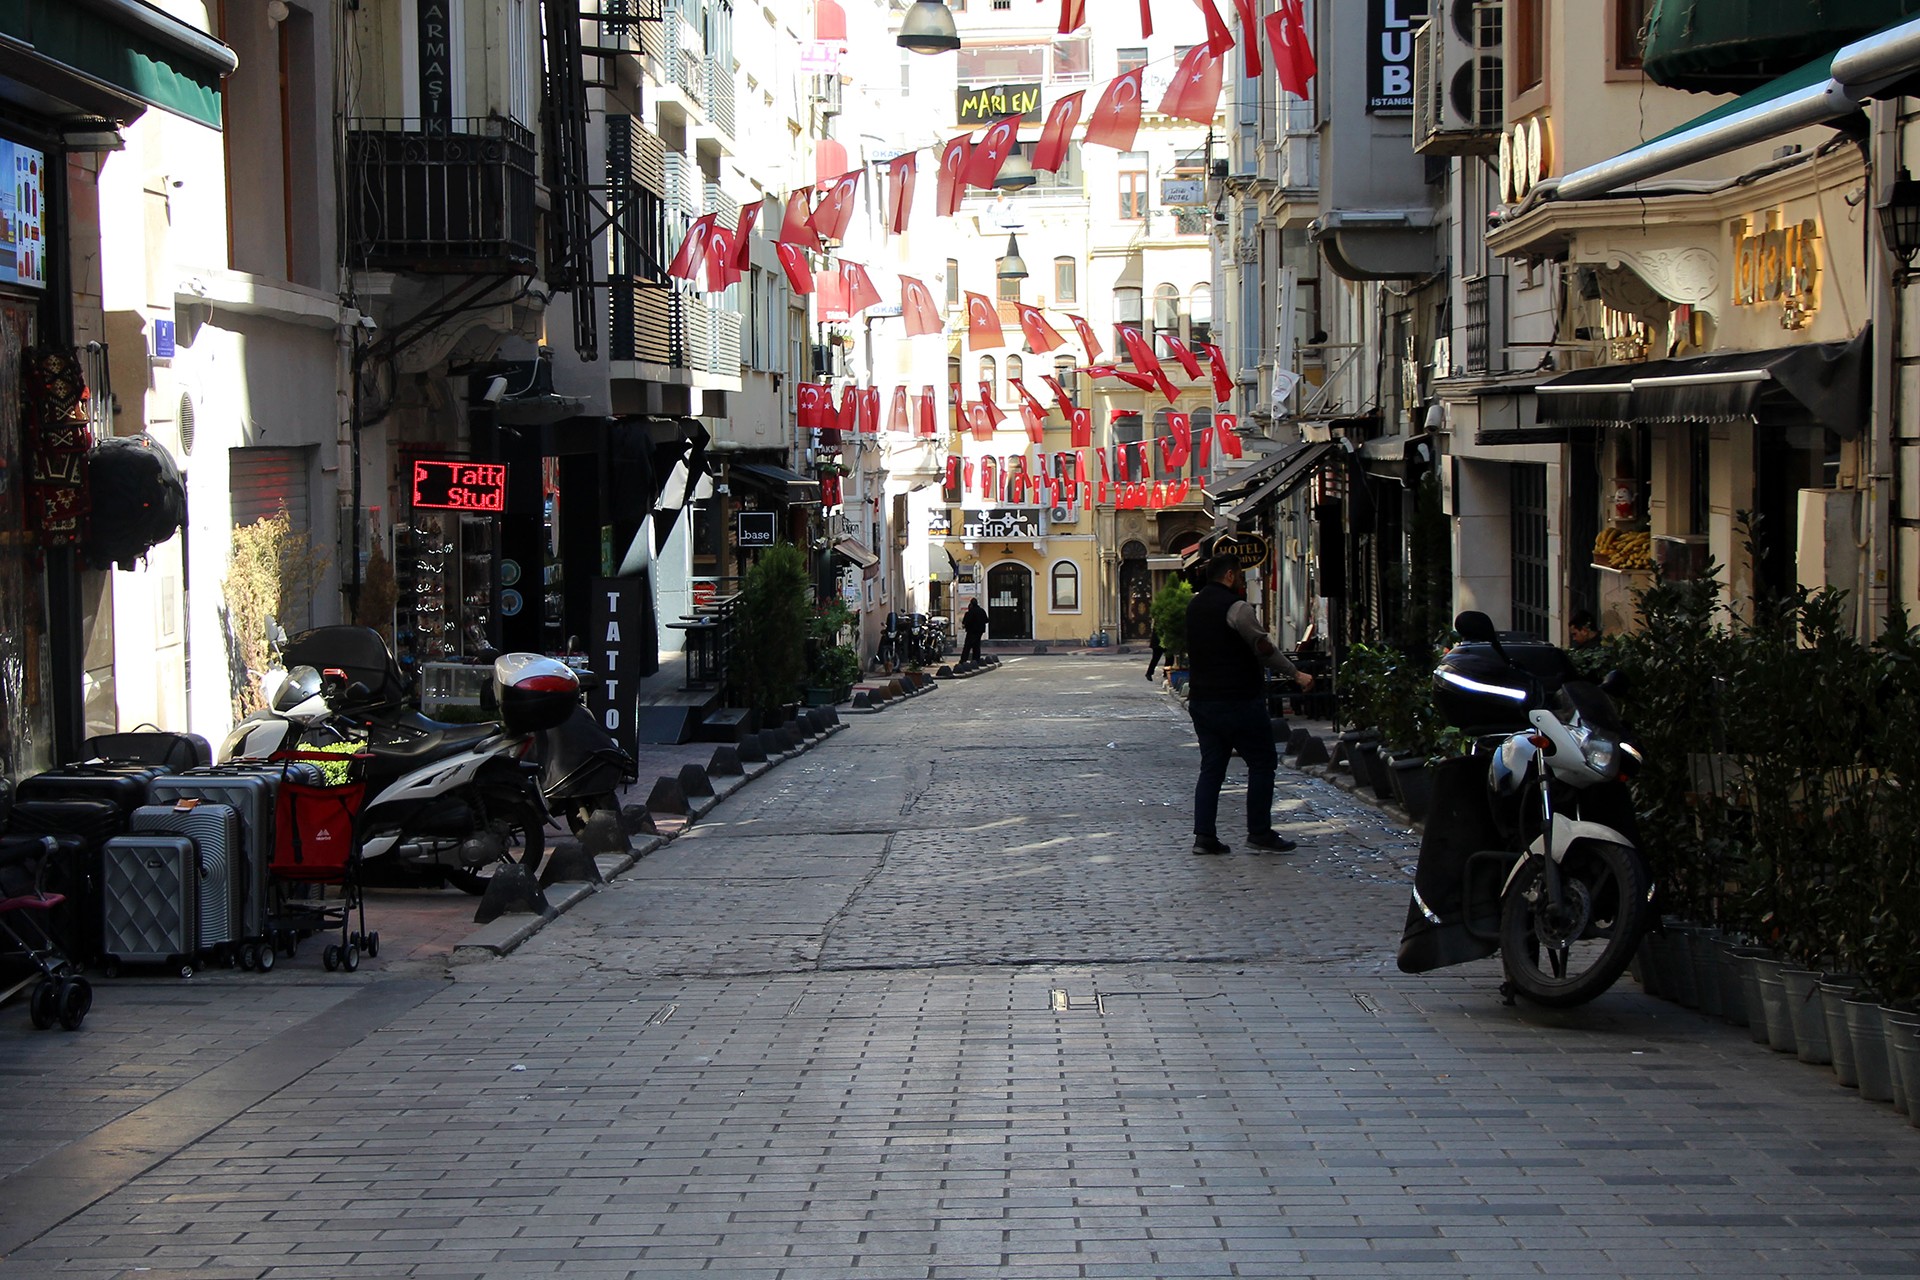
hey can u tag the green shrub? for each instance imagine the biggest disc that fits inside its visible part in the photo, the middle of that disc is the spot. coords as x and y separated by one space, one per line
772 622
1169 609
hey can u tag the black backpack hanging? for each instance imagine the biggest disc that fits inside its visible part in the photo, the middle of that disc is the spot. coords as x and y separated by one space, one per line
138 500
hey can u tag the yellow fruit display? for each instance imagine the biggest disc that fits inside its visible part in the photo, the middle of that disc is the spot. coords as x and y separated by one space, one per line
1624 549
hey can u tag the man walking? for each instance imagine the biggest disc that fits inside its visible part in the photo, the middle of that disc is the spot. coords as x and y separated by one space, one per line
974 623
1226 696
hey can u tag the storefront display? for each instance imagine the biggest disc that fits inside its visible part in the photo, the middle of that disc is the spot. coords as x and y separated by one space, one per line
443 572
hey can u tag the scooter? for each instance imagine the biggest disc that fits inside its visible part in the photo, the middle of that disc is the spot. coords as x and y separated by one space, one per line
1530 848
435 789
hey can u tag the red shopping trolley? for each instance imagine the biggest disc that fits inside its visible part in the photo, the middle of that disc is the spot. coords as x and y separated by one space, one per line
316 849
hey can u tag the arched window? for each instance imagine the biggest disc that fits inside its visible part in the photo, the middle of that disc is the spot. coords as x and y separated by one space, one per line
1202 423
1016 370
1166 311
1066 280
1063 373
953 282
990 375
1064 587
1200 314
1126 310
956 421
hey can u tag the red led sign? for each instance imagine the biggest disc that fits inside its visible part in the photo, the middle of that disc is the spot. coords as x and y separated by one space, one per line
460 486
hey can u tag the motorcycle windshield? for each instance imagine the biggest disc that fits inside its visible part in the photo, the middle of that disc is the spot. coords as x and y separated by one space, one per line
1594 707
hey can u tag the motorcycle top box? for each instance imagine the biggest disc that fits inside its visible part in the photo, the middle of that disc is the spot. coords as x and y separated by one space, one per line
534 693
358 653
1478 691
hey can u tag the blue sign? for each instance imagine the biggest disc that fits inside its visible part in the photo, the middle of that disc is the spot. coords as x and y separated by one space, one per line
163 339
22 252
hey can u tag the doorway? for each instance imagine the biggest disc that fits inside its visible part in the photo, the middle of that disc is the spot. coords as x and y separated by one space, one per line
1010 602
1136 600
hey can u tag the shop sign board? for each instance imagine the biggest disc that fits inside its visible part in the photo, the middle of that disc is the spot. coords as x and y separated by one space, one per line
979 104
940 522
755 528
991 523
1390 25
1776 263
1249 550
456 484
22 249
618 635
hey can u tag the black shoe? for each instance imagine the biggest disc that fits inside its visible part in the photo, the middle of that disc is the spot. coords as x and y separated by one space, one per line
1271 841
1207 844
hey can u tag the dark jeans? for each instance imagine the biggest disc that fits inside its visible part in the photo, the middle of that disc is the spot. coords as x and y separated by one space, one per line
1224 728
970 650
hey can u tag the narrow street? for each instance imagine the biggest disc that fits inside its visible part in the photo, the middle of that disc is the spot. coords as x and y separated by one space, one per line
946 996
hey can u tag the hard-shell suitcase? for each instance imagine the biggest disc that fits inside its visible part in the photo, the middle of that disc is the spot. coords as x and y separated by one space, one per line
251 797
176 752
151 887
125 785
215 832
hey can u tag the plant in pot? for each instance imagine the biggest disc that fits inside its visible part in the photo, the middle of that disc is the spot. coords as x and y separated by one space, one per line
1169 611
773 620
1362 676
832 666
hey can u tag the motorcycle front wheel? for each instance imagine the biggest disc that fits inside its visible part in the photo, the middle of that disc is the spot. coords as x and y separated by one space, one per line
1567 955
514 821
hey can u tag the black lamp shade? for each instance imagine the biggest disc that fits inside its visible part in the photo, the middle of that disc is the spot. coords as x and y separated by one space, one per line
1900 218
1013 266
928 28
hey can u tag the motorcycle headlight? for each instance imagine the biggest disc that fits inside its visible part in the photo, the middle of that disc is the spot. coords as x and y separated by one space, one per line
1598 752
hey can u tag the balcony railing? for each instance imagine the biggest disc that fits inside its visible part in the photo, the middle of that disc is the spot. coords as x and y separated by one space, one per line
678 330
455 195
1479 326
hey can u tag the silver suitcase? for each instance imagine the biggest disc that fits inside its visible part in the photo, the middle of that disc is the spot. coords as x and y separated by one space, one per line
215 832
150 895
251 796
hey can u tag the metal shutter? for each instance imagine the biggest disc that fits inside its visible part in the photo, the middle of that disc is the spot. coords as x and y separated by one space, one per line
260 480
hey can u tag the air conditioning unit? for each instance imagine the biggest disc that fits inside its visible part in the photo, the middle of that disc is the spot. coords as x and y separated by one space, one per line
1459 84
1063 514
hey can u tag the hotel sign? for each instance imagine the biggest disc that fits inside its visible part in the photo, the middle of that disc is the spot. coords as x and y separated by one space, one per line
1777 264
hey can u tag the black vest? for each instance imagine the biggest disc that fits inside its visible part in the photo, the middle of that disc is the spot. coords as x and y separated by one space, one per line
1223 666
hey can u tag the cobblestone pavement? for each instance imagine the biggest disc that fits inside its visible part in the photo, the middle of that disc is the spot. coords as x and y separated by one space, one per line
948 996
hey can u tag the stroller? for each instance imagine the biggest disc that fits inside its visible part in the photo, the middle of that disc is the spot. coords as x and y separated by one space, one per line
61 994
316 843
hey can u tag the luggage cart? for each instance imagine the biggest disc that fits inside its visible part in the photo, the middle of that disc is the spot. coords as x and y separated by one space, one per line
316 846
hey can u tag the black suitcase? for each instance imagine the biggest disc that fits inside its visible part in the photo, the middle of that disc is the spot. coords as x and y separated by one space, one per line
71 868
87 825
125 785
175 752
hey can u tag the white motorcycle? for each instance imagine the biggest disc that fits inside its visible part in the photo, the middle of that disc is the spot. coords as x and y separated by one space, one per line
445 802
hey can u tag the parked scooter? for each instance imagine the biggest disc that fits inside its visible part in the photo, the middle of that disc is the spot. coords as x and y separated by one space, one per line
582 766
433 787
1530 847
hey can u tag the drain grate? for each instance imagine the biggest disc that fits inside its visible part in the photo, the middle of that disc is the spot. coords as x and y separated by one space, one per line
1366 1002
1060 1002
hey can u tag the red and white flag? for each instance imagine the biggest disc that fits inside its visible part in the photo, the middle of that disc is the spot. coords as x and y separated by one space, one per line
1177 491
1051 151
950 188
950 489
1228 425
1293 59
1249 37
1122 462
849 415
793 261
986 402
1020 388
1219 39
794 226
859 285
917 309
1146 18
929 424
1144 381
720 249
830 289
1040 335
870 411
1182 427
1036 423
988 154
810 416
1195 91
1081 422
982 424
743 234
983 323
835 210
902 173
1202 446
1088 342
1116 117
1144 360
1178 350
1060 395
967 477
1083 475
1222 376
1073 15
692 254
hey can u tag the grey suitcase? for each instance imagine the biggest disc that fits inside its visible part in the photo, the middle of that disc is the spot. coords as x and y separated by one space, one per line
215 832
150 892
251 797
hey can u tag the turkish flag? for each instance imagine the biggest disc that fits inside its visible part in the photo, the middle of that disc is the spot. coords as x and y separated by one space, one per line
1073 15
1146 460
720 249
1249 37
832 290
950 488
1084 476
929 413
1088 342
1202 446
1020 388
1146 19
983 323
1040 335
1036 423
986 401
1143 358
967 476
1222 376
916 306
1167 462
1060 395
870 411
1081 421
949 188
982 424
1292 56
1122 463
743 235
1182 427
1144 381
902 173
1105 474
849 415
809 406
1219 39
1178 351
989 476
835 210
692 254
794 227
1227 424
1157 497
1116 117
988 154
1051 151
860 291
1195 91
1177 492
793 261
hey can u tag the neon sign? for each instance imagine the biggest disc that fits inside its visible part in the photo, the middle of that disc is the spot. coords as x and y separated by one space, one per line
459 485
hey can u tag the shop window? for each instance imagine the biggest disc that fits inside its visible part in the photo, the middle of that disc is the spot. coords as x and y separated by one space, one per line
1065 584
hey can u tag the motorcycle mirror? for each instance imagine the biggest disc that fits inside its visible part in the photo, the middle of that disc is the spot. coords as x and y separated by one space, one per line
276 634
1474 625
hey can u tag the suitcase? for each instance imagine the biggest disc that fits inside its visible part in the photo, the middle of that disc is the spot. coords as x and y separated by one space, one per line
176 752
125 785
89 824
151 888
73 870
251 796
215 832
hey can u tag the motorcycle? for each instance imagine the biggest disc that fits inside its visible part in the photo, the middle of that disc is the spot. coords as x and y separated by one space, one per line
1530 848
582 767
432 787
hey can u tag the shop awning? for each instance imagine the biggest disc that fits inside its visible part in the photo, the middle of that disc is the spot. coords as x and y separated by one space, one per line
1730 46
855 550
1820 384
1239 484
789 486
1300 467
109 59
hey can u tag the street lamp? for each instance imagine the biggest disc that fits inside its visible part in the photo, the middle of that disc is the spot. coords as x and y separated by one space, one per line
1013 266
1016 174
1900 218
928 28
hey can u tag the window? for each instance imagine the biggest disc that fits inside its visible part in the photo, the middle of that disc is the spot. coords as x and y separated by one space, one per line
1072 60
1063 373
954 420
1126 311
1128 59
1133 185
1069 178
1166 312
1629 28
1202 424
1009 289
953 282
1529 46
1016 370
1162 430
1066 587
990 376
987 64
1200 315
1066 280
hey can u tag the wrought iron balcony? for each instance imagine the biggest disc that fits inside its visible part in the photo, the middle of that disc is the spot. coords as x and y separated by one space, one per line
454 196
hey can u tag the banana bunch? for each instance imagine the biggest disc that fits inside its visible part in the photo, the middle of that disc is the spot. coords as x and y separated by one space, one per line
1624 548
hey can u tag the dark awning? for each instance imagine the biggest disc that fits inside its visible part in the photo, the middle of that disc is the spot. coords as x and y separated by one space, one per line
790 486
108 59
1243 480
1300 467
855 550
1731 46
1820 384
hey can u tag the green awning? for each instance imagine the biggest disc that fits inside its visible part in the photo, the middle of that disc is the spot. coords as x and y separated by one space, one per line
1731 46
118 53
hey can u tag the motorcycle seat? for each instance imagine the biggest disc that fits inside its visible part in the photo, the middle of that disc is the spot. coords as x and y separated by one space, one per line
411 742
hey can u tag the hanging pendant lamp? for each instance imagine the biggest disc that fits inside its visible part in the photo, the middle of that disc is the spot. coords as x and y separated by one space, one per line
1016 174
928 28
1013 266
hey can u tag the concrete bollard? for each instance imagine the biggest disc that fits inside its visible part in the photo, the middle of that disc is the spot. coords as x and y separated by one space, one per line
570 863
667 797
512 889
606 833
694 781
637 820
725 763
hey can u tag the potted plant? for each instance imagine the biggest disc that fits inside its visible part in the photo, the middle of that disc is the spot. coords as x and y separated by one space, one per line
773 619
832 667
1169 612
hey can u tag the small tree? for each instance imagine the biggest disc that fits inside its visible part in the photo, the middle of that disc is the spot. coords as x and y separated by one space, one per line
1169 611
272 572
773 617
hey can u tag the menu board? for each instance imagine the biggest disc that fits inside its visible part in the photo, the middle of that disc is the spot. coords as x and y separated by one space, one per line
22 251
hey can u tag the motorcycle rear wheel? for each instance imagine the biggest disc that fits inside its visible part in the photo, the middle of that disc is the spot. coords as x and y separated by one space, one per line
1559 958
512 820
